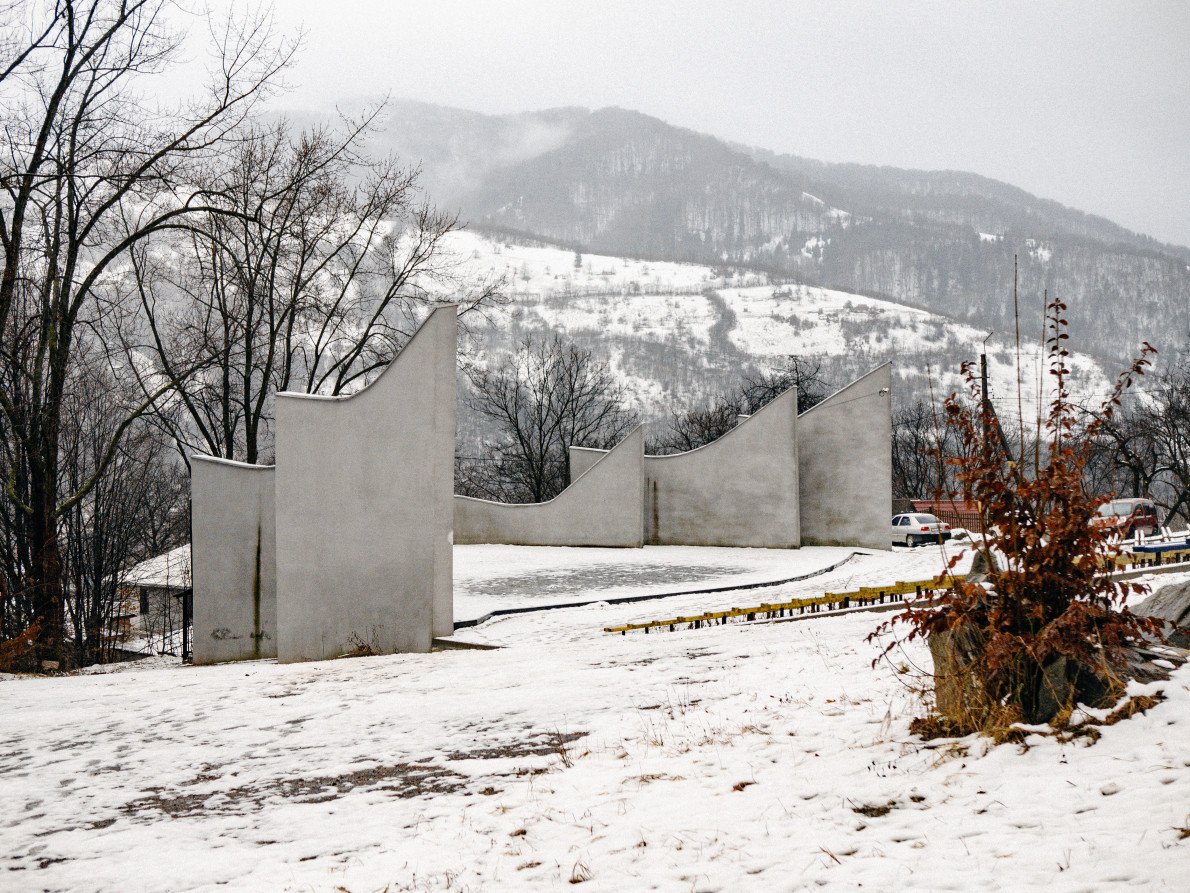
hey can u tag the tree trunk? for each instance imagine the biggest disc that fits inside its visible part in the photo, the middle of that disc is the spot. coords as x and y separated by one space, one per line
49 597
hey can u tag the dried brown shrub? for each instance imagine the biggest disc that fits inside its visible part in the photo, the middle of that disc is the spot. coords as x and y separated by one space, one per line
18 654
1046 625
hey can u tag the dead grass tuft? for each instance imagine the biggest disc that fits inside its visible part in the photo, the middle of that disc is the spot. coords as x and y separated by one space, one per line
1010 735
580 873
1133 706
1003 726
657 776
933 726
875 810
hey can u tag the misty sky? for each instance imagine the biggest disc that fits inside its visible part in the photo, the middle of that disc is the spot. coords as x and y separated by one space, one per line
1085 103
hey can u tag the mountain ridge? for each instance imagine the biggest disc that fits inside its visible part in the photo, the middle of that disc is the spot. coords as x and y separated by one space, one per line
797 163
621 182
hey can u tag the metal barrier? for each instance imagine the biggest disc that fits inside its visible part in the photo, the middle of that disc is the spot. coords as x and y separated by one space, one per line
867 596
864 596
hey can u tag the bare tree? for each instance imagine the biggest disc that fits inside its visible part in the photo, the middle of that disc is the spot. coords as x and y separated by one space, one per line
1168 426
135 510
921 446
309 275
803 373
1143 448
89 168
692 428
1125 456
547 397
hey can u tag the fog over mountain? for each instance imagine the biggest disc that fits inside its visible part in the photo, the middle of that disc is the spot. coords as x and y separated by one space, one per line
619 182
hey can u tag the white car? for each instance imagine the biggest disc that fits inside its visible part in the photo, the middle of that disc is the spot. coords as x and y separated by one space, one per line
916 528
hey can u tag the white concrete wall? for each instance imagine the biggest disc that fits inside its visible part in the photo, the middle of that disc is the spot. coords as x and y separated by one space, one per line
601 507
364 507
234 560
582 458
740 490
845 462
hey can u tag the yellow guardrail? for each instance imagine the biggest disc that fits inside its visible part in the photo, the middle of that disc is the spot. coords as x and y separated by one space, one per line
865 595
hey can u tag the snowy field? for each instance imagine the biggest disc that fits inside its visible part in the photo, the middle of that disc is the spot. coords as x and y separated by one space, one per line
767 756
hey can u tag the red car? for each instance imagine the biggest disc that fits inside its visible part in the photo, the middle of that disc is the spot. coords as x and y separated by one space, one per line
1127 516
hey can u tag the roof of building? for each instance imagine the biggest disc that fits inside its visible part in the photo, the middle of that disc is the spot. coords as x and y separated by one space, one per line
168 571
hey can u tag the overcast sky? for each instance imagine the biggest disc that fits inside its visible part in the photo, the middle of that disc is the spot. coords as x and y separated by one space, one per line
1085 103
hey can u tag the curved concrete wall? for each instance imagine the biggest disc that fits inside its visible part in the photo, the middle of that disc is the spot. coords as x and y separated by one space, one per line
583 458
845 461
234 559
601 507
363 496
740 490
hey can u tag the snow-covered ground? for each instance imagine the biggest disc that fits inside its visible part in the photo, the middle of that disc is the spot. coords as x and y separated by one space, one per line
489 578
744 757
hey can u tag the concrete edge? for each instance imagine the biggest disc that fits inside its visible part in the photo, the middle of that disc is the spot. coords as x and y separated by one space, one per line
790 393
339 398
594 465
218 460
832 398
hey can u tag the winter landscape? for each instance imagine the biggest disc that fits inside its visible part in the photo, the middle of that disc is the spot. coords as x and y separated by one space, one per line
698 447
739 757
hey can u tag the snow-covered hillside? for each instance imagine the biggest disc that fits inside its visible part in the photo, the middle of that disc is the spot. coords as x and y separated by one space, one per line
677 332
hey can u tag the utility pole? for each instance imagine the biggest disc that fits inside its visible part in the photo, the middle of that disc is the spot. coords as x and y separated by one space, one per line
985 402
989 411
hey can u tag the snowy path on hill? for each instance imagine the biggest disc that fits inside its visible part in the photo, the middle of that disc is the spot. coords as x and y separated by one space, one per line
731 758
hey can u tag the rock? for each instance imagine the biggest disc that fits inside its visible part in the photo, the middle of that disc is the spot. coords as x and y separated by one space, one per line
953 651
1067 682
1170 604
1152 663
981 568
959 696
1056 691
